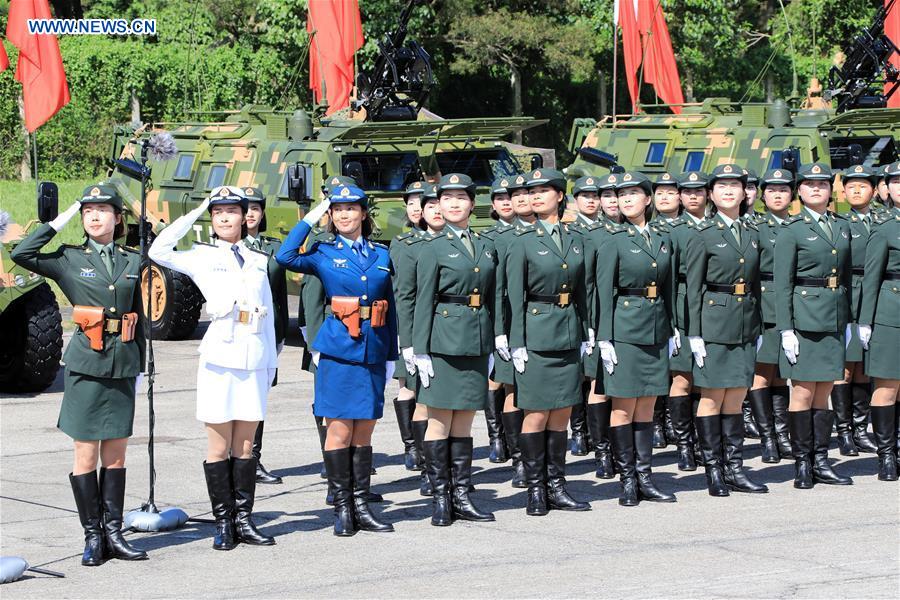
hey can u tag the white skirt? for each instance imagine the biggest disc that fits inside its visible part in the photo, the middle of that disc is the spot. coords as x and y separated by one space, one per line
226 394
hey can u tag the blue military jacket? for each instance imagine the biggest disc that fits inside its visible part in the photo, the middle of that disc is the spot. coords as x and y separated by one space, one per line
343 274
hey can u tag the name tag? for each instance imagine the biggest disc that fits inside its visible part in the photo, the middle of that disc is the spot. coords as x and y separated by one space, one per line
339 263
87 273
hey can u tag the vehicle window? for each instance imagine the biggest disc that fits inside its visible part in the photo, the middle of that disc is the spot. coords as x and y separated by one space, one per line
694 161
775 160
216 176
185 167
483 166
656 153
283 189
385 172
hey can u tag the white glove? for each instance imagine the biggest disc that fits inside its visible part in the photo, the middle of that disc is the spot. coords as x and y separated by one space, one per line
409 358
865 334
490 364
759 341
315 214
608 355
791 345
389 370
279 348
303 333
677 339
848 333
315 357
139 382
502 346
425 368
60 221
586 348
519 358
673 348
698 349
592 337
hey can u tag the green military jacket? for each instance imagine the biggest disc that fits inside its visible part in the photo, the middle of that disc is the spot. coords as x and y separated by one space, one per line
881 296
84 280
768 227
859 238
446 267
404 252
680 230
312 300
536 266
501 235
277 281
713 256
804 251
625 261
593 236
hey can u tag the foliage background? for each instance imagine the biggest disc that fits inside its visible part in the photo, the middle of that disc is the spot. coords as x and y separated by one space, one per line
219 54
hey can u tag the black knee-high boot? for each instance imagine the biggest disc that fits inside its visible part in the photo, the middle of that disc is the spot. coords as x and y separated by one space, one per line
842 401
862 397
598 423
801 424
643 452
683 425
404 410
493 408
243 478
883 425
823 420
437 465
750 428
578 424
221 498
262 474
461 479
733 445
621 438
112 490
512 428
709 431
534 459
781 396
419 429
361 466
558 497
761 402
340 480
87 500
659 426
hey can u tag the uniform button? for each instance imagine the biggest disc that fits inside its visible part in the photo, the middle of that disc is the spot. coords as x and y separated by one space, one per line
112 287
653 264
476 269
833 270
893 289
625 303
475 291
652 283
565 286
445 313
833 251
474 309
741 261
112 309
740 299
803 293
565 266
364 297
534 311
740 280
763 288
363 277
712 301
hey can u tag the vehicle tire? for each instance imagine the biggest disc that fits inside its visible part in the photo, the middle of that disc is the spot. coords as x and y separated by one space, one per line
176 306
31 341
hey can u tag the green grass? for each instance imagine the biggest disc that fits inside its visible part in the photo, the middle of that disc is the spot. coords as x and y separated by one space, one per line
18 198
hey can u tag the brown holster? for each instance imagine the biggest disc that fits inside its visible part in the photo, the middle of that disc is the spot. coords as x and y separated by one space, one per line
129 324
90 320
379 313
346 308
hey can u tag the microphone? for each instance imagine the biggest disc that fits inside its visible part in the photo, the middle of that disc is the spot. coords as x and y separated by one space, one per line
161 146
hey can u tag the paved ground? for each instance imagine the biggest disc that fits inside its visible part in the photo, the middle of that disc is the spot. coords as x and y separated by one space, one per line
830 542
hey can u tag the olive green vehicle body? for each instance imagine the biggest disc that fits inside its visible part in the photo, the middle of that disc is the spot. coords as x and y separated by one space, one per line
753 135
15 281
254 147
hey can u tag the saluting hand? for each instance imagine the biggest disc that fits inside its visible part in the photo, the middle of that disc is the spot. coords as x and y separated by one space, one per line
60 221
316 213
791 345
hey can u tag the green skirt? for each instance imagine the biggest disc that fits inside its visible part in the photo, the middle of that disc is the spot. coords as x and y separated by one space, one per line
881 359
591 363
683 362
97 408
641 371
503 371
551 380
726 366
771 346
821 358
854 351
400 370
459 383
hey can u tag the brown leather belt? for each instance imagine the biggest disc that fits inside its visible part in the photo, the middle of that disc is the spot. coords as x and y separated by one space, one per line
763 276
563 299
651 291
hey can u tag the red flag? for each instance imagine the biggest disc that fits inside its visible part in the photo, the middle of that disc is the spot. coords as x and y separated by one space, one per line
338 36
626 16
4 60
892 30
660 69
40 66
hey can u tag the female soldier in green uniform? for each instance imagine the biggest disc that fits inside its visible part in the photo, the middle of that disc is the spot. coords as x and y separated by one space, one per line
879 326
404 280
609 202
453 337
812 310
548 333
769 393
850 394
636 332
103 360
723 329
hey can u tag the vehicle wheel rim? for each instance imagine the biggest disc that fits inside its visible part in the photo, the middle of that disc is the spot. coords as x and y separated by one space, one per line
159 294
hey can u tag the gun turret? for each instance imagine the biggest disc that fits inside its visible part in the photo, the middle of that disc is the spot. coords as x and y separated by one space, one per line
399 82
867 78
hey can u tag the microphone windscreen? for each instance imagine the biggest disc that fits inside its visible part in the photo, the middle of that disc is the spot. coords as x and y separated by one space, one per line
161 146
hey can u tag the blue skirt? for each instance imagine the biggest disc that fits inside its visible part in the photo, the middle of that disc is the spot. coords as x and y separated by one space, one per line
346 390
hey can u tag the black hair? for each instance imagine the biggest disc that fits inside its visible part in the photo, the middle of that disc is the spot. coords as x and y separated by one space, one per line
368 225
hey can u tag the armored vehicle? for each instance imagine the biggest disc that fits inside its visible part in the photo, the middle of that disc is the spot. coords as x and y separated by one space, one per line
30 323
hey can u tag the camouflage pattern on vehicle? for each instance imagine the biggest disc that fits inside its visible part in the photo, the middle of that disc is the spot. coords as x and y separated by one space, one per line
30 323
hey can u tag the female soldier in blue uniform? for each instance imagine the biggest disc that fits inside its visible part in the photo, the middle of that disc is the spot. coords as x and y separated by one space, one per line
453 337
769 393
723 328
637 334
850 394
103 360
548 334
356 343
812 310
879 326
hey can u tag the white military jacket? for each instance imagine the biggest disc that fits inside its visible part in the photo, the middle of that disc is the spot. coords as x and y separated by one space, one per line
238 299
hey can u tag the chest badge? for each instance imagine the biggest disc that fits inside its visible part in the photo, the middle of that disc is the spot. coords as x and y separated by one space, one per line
812 239
721 245
663 249
635 251
455 255
339 263
754 244
543 252
487 253
576 250
844 234
85 272
855 235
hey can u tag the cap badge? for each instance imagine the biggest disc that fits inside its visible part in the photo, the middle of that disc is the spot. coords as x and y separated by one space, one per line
627 177
727 169
454 179
590 181
536 174
777 173
666 176
504 182
858 169
520 179
335 180
95 191
249 191
345 192
611 179
692 177
223 192
816 169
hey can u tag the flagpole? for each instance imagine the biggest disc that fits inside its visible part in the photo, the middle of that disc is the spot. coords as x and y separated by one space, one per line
615 69
34 172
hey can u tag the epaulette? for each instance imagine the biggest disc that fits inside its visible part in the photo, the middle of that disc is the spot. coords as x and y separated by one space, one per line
660 227
269 239
837 215
598 225
404 235
706 224
798 218
748 224
129 249
74 246
379 245
523 230
883 217
199 243
409 241
615 228
262 252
